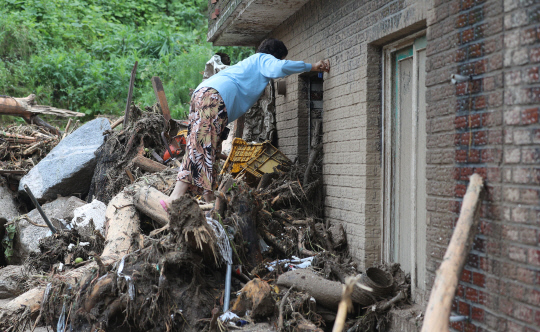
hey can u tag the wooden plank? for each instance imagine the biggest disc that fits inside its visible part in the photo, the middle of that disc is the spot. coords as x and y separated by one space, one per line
130 93
160 96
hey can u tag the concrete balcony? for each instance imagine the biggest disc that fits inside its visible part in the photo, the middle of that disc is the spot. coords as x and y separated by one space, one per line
247 22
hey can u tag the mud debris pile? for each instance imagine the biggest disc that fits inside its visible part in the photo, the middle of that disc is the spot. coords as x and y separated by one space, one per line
150 270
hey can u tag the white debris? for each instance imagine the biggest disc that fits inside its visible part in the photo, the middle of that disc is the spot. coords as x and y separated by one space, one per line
291 264
228 316
222 240
92 214
70 247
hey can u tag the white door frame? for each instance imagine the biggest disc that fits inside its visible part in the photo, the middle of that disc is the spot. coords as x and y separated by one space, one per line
388 136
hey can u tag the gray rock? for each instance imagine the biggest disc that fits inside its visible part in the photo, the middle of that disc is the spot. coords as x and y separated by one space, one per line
9 277
8 209
28 235
68 168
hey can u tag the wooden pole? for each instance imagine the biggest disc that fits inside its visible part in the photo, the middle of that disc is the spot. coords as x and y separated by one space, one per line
130 94
239 127
447 276
148 164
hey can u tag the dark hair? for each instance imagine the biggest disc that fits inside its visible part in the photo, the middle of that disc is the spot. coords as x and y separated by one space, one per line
274 47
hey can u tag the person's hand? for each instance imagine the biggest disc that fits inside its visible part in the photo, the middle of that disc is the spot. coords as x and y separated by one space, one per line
323 65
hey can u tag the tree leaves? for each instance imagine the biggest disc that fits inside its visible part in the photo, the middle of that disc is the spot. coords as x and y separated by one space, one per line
78 54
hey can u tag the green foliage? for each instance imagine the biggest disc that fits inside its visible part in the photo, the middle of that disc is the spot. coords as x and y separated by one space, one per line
7 241
79 54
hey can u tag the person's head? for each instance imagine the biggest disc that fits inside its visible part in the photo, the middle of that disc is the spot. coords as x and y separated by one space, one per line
274 47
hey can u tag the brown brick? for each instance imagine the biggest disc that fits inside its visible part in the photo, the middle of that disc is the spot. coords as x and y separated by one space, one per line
477 314
529 116
523 313
463 308
462 20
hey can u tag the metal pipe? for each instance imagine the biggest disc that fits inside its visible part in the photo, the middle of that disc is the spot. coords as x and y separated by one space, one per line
458 318
227 298
34 200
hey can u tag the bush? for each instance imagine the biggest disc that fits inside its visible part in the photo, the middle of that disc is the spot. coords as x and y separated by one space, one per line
78 54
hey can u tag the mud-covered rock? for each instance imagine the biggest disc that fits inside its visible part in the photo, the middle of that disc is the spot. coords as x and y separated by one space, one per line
257 297
9 281
338 236
28 235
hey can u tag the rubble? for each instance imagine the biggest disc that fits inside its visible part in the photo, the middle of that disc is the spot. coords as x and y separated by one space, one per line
31 227
68 168
255 296
122 262
22 147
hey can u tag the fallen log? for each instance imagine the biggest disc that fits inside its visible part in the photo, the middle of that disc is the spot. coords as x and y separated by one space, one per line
372 286
148 164
146 199
29 111
122 223
447 276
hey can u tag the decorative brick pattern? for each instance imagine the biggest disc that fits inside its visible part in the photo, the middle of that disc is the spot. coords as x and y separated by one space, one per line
495 128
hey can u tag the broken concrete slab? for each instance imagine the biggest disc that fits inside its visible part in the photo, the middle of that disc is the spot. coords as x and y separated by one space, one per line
257 297
9 281
69 167
90 217
28 234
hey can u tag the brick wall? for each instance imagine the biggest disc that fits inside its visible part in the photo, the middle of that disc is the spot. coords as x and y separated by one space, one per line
488 125
350 33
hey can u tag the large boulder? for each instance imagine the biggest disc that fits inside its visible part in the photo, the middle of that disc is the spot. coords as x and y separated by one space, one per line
90 217
68 168
28 235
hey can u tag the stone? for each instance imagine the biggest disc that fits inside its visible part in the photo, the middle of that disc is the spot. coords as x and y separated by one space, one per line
68 168
8 209
337 234
257 297
9 281
90 217
28 235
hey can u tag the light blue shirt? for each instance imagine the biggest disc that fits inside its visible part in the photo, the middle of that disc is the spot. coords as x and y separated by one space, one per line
241 85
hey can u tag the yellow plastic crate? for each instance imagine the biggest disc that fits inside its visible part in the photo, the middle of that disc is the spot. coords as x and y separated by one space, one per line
268 161
241 153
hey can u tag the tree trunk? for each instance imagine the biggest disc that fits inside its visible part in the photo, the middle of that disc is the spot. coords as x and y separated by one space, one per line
148 164
29 111
447 277
147 199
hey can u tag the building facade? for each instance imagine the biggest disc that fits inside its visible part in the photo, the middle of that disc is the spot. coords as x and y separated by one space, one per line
401 139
